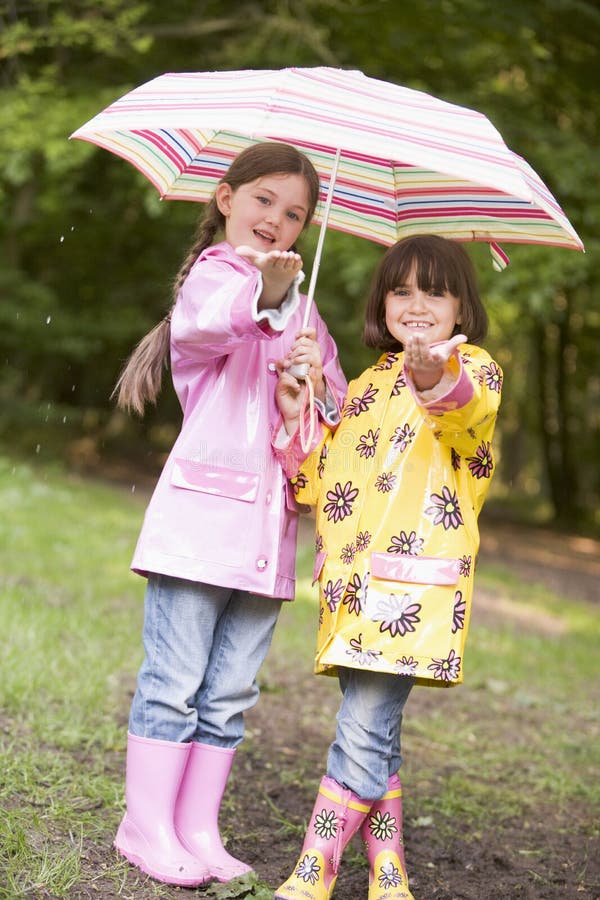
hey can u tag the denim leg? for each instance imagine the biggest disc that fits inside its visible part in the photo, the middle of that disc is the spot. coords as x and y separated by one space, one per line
366 749
241 642
187 626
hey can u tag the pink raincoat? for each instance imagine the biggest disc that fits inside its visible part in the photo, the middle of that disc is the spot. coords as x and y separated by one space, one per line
222 512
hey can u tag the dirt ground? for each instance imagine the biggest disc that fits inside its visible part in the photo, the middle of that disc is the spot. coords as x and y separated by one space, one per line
551 855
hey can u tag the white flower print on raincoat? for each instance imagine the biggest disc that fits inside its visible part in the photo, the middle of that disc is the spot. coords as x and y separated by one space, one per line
398 490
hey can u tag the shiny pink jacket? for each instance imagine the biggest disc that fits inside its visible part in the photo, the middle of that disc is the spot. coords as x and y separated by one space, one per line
222 512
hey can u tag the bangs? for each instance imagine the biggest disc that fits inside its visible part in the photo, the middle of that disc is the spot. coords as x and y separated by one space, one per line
432 268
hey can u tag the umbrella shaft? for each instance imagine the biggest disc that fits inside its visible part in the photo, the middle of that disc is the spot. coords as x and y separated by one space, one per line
317 259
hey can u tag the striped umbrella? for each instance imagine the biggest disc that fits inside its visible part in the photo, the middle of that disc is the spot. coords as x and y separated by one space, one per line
392 161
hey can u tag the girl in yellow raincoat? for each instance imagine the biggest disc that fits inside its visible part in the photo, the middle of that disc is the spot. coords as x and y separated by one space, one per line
398 488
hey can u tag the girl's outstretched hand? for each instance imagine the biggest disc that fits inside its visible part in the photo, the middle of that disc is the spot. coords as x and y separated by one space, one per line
426 362
306 351
278 269
289 395
418 354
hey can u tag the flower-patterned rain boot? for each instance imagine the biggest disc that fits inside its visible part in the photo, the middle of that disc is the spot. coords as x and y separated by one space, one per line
382 833
336 817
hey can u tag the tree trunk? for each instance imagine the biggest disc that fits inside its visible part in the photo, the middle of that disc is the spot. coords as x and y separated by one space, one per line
550 341
566 500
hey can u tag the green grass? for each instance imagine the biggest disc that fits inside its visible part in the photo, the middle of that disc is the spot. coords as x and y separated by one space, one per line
71 615
69 604
520 736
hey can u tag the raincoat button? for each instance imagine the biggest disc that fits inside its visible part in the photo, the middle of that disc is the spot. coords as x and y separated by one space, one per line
261 563
271 366
268 497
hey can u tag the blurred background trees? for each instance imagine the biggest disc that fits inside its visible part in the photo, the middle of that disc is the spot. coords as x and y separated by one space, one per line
88 251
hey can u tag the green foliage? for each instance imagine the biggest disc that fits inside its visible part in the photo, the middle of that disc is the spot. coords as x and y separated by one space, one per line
89 252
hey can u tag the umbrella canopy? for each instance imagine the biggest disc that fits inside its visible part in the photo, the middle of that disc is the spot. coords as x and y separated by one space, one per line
406 162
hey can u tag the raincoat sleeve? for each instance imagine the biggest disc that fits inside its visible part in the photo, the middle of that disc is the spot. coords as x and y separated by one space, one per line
464 416
277 318
303 471
216 310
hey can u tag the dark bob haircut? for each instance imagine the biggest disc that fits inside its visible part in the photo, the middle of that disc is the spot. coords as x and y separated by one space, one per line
440 264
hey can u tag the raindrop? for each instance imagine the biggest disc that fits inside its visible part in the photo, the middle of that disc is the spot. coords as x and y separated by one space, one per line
38 448
133 488
72 387
62 237
48 320
72 228
64 420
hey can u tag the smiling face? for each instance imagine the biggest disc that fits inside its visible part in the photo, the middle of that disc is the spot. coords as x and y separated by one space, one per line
412 310
266 214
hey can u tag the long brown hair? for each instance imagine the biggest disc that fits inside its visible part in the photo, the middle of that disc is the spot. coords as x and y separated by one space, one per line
439 263
140 381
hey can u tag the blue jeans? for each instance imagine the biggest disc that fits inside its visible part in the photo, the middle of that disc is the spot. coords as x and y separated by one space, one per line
203 648
366 750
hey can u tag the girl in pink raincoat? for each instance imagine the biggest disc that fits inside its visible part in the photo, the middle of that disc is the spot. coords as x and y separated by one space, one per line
219 536
398 488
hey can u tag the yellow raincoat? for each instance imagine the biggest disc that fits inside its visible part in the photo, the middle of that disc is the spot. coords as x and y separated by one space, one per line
398 489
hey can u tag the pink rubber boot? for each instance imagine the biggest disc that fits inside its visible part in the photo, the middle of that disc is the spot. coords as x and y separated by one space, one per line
336 817
382 833
197 810
146 835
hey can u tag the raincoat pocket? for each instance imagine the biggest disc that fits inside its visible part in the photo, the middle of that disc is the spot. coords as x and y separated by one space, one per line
414 602
415 569
219 481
